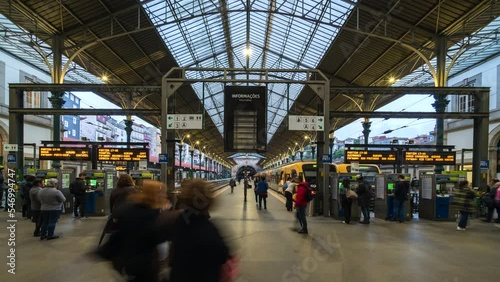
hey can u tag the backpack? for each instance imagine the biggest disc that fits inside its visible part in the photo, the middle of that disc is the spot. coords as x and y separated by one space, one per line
309 194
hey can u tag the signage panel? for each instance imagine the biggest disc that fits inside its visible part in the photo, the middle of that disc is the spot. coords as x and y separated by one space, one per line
122 154
163 158
370 156
306 123
245 118
64 153
10 147
429 157
181 121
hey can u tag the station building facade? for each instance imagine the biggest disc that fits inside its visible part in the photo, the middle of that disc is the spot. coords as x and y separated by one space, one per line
460 132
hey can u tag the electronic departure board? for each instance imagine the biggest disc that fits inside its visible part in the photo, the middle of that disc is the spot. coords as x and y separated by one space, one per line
370 156
64 153
122 154
432 158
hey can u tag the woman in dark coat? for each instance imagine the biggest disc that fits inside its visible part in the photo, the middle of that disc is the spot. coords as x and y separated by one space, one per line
198 251
124 188
136 256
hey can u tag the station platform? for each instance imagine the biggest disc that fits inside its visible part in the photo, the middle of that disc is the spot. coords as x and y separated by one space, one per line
271 250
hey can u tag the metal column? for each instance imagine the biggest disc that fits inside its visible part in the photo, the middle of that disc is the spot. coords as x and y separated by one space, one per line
16 128
441 102
480 139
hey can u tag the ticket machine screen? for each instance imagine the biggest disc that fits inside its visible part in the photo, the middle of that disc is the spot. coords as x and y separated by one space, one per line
390 188
93 184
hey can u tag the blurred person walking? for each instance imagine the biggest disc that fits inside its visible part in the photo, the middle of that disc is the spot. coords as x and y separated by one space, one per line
24 192
134 242
198 251
464 201
232 183
346 200
400 197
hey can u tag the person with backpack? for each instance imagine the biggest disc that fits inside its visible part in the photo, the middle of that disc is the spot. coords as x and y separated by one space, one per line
262 187
301 200
364 197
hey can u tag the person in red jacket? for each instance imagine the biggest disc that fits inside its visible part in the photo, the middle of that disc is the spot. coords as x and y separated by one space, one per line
301 205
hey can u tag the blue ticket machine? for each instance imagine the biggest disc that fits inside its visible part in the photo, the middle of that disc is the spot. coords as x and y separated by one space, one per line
435 196
385 185
99 186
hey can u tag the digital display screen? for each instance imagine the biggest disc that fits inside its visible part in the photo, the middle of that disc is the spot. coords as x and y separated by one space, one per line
390 187
370 156
93 182
64 153
426 157
122 154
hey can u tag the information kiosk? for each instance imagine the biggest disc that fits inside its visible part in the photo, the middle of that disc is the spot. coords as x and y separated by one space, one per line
385 185
435 196
337 191
99 186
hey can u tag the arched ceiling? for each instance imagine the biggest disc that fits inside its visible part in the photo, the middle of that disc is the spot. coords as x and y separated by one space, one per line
355 43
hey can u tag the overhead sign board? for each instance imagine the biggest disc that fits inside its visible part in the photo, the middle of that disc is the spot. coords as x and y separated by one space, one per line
245 118
306 123
181 121
10 147
122 154
64 153
370 156
429 157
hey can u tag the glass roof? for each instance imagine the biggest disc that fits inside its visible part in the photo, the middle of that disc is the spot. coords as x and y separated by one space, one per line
480 47
295 35
18 42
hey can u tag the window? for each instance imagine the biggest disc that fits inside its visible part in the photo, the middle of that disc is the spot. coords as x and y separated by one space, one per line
72 97
74 106
32 99
73 133
66 123
74 120
66 134
77 101
465 103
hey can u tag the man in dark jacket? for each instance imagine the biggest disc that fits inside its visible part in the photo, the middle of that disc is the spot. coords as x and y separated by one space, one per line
78 188
36 205
490 202
364 198
400 197
464 201
24 189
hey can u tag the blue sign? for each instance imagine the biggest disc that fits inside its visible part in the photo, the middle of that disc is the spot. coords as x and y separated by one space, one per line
327 158
11 158
484 164
163 158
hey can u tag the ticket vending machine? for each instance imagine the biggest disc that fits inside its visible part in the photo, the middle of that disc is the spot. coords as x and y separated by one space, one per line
139 176
435 196
337 190
65 177
99 186
385 185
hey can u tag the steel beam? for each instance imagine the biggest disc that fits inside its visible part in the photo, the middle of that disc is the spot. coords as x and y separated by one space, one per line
379 90
86 112
85 87
419 115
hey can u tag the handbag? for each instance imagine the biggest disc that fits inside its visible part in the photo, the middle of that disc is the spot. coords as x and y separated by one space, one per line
351 194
